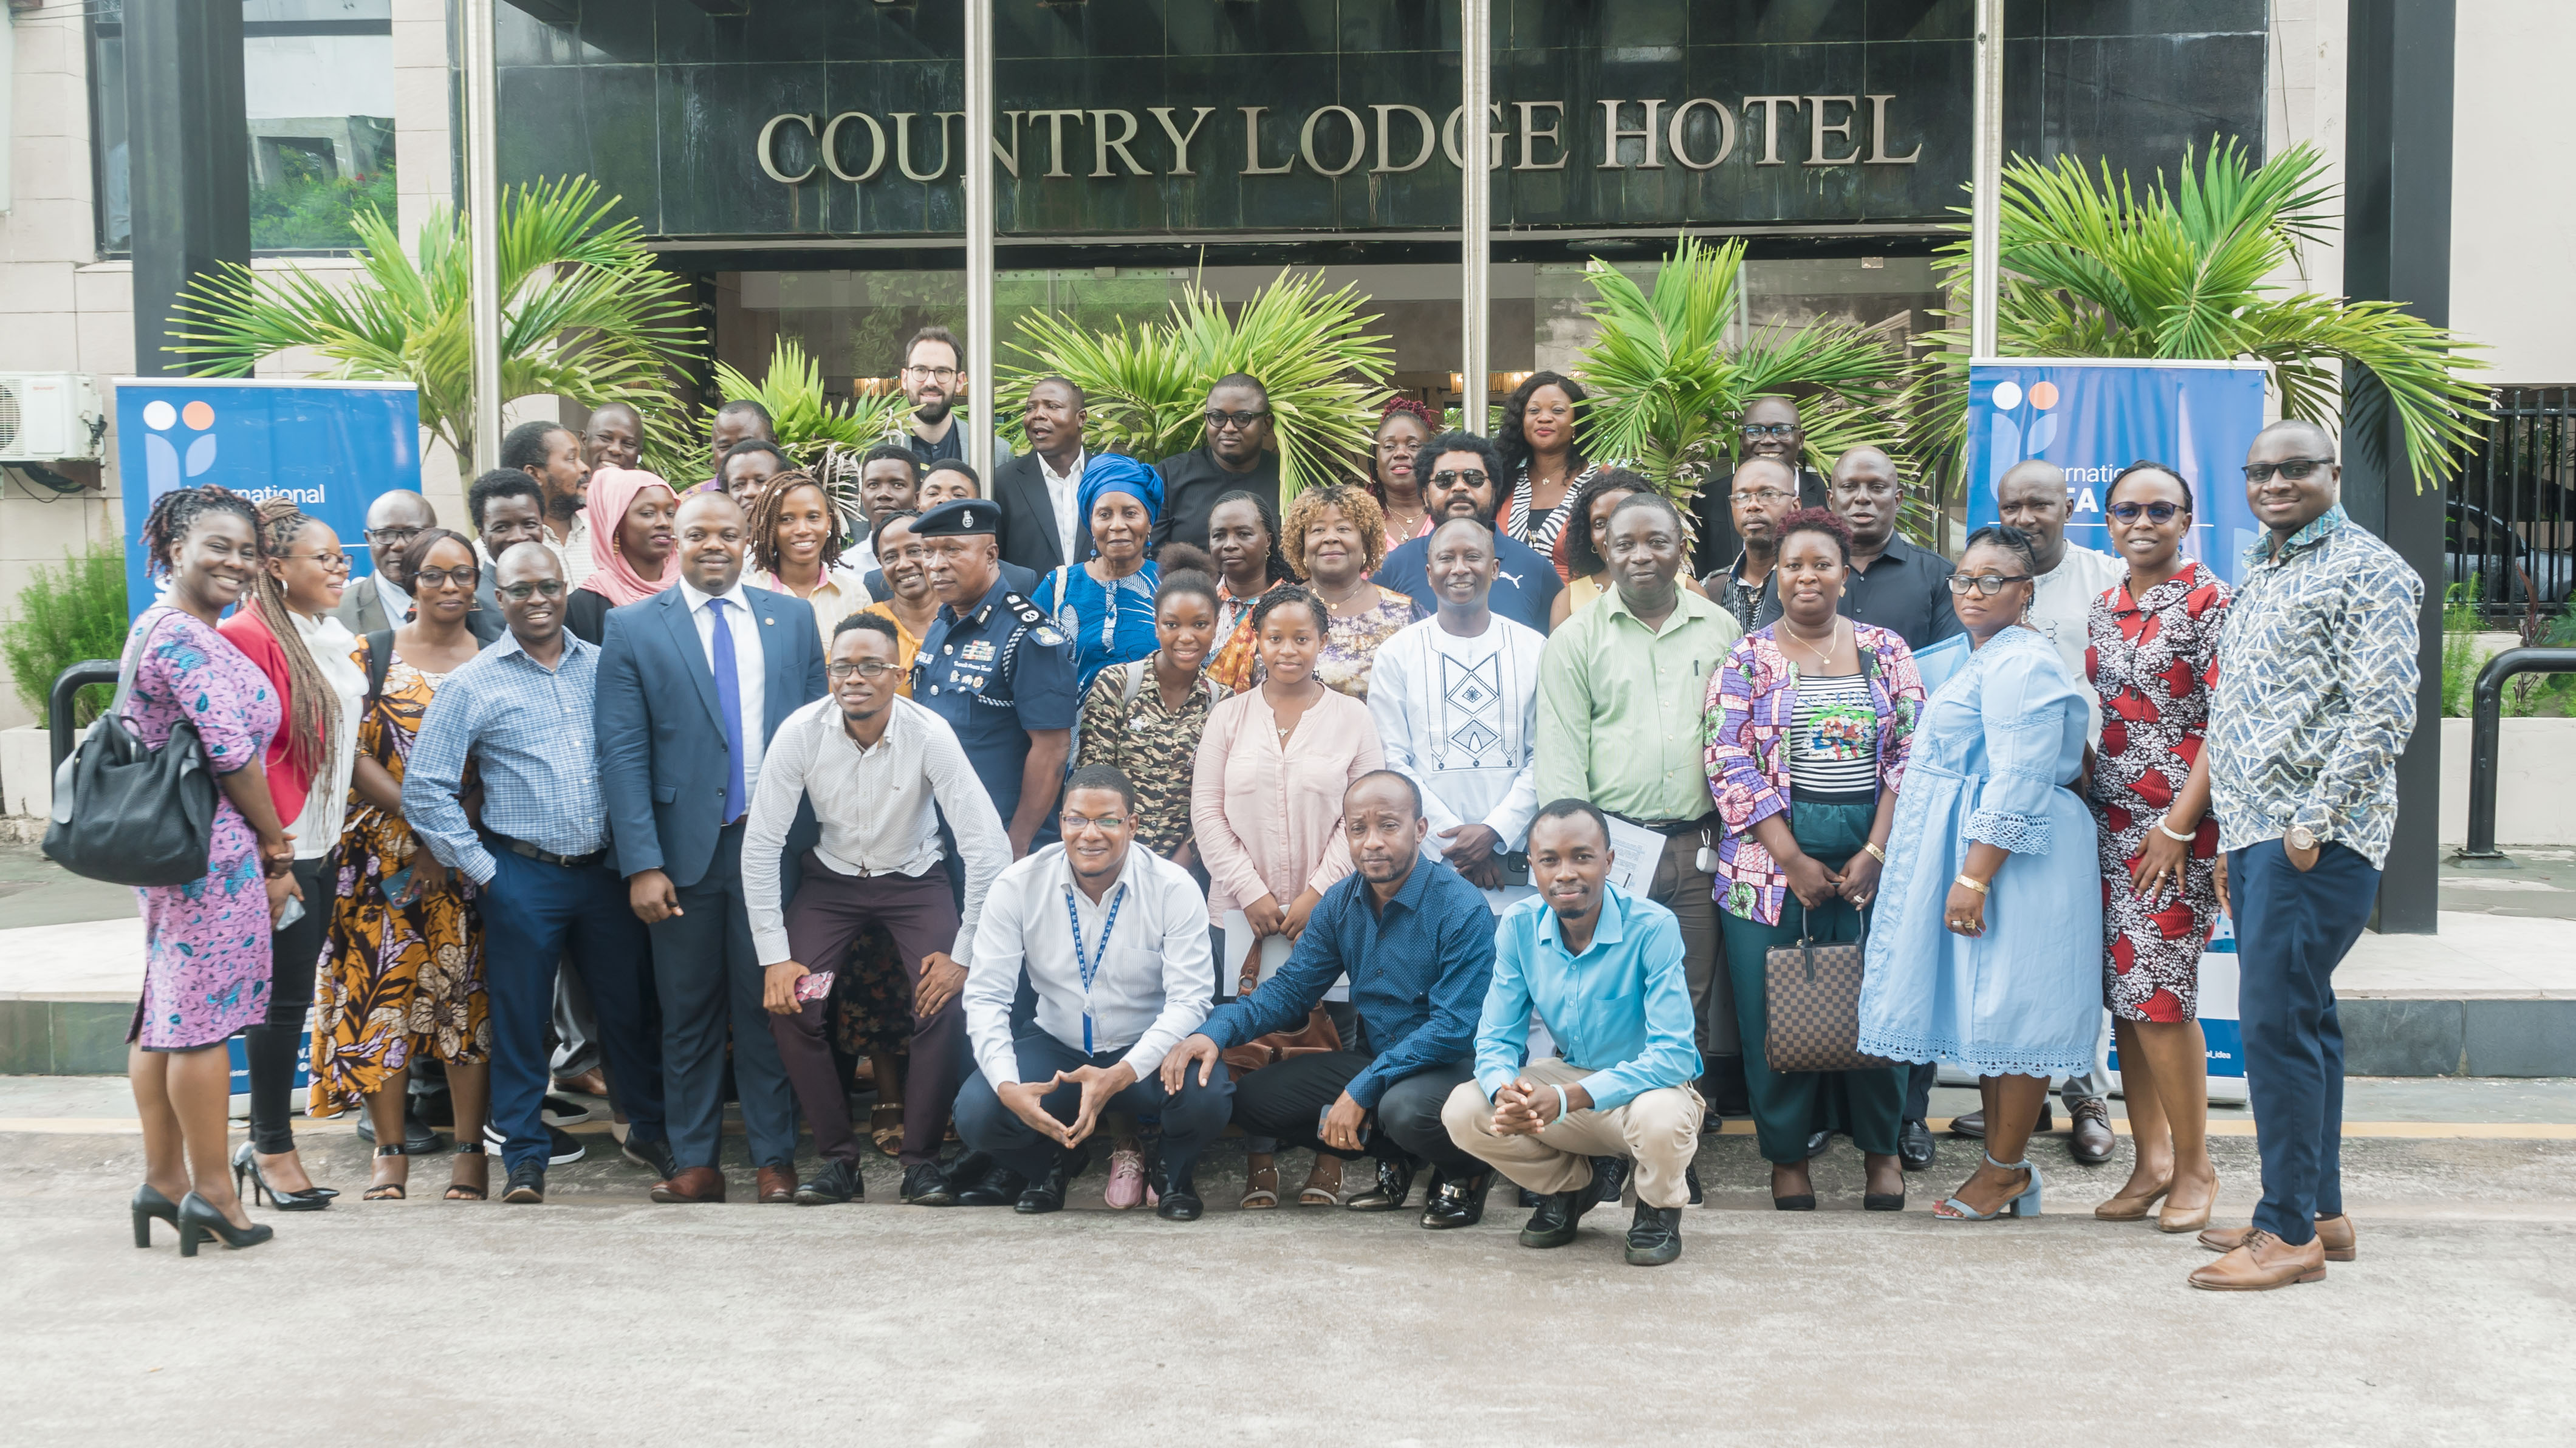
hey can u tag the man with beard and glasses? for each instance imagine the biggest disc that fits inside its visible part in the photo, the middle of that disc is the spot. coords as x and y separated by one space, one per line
1460 475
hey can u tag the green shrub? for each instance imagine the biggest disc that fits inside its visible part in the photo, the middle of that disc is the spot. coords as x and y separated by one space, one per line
64 616
2460 659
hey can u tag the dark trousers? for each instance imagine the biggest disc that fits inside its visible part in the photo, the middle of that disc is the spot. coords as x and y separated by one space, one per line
1285 1102
1192 1116
534 916
271 1045
1787 1105
2292 929
823 921
707 977
1688 891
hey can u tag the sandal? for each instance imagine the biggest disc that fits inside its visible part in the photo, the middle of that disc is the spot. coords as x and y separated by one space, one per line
1260 1188
465 1191
1321 1193
885 1128
389 1191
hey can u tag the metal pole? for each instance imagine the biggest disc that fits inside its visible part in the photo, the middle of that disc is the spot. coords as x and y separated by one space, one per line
1985 217
1476 208
483 233
980 402
2486 710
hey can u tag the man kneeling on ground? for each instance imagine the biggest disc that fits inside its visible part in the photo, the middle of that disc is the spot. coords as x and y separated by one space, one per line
1113 940
1418 945
1604 969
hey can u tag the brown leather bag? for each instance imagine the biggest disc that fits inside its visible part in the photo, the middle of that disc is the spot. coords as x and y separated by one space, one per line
1811 996
1270 1050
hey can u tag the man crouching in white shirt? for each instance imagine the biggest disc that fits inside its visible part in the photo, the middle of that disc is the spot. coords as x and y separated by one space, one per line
1113 940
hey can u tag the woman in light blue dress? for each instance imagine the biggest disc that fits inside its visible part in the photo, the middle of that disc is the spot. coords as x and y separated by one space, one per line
1106 605
1986 947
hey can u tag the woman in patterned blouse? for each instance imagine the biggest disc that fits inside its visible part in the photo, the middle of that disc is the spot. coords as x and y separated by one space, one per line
1335 538
2153 659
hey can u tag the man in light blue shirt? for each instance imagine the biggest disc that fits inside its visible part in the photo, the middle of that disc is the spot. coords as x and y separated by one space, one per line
1605 970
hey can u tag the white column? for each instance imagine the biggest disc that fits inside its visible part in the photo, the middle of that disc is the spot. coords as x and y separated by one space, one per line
483 232
1476 210
1985 216
979 238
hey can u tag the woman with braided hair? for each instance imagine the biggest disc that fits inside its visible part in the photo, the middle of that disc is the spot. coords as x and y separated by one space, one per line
286 628
206 943
793 539
1405 426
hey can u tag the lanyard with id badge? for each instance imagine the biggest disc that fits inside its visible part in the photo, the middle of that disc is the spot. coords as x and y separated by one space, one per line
1085 961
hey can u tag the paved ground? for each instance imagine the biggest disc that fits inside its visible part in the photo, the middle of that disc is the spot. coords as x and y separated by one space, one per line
601 1318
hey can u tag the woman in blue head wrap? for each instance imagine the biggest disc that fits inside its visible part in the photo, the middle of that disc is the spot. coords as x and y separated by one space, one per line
1106 605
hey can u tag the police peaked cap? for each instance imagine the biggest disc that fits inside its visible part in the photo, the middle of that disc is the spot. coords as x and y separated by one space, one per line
959 518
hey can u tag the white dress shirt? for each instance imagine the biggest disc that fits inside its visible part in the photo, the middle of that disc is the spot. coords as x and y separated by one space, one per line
1459 717
750 667
575 551
2060 601
876 807
1064 490
1154 979
397 603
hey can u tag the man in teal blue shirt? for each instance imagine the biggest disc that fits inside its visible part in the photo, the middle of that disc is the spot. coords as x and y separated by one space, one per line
1604 969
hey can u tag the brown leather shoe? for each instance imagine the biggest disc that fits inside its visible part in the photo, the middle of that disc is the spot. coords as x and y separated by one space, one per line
778 1184
2335 1232
692 1184
2091 1141
2263 1263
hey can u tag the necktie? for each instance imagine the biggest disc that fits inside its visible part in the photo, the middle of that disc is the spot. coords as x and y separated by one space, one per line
729 704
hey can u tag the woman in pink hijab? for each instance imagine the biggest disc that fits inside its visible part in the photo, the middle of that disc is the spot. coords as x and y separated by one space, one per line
633 560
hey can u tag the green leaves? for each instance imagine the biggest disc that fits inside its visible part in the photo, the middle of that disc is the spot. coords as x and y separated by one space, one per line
585 314
808 423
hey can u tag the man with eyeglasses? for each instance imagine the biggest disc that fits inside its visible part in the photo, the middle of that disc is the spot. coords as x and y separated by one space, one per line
1770 429
880 772
1236 455
693 683
997 669
1042 524
382 599
1763 491
934 368
1460 475
1111 942
2317 680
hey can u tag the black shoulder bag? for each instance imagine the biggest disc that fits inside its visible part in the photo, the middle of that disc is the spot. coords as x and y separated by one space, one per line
129 814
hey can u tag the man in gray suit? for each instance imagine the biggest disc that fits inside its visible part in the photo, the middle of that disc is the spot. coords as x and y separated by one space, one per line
382 599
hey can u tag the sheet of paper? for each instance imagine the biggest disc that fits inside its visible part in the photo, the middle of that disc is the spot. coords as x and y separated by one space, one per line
1274 954
1635 852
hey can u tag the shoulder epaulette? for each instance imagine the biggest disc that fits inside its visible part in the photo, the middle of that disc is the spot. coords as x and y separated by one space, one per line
1029 614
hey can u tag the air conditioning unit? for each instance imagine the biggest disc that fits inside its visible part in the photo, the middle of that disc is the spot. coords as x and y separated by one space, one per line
49 417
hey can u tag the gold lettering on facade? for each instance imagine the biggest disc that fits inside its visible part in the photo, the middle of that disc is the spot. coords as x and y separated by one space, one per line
1612 134
1878 137
1817 130
1359 141
1102 143
1771 124
766 148
1252 146
1386 145
1180 138
1679 127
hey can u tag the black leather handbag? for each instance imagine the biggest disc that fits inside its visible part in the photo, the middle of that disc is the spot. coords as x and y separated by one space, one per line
130 814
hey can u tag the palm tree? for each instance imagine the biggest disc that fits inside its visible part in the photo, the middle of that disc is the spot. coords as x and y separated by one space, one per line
1324 371
809 424
2097 268
1670 380
585 314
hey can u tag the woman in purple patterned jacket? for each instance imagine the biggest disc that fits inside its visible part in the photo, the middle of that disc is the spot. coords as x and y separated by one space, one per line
1808 725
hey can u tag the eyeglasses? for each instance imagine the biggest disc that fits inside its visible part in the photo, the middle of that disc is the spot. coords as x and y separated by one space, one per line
332 562
2292 468
1987 585
396 537
1472 477
935 374
1220 421
2156 512
868 669
1763 497
542 588
442 577
1755 431
1076 824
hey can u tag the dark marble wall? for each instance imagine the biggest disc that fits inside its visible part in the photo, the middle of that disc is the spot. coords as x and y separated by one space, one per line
664 105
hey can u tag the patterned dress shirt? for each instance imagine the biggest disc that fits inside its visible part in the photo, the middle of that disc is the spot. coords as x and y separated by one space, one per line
2316 689
528 730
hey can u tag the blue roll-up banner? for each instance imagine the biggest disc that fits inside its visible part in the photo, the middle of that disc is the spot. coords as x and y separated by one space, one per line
333 447
2093 417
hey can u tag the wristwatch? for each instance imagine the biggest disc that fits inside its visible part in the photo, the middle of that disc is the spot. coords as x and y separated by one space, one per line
2301 837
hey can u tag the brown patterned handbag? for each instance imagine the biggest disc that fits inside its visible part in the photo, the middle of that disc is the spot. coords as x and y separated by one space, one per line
1811 998
1318 1034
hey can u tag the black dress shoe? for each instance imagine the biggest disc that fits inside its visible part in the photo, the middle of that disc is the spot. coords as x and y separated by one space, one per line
1690 1179
654 1155
1817 1141
1394 1184
1046 1194
1457 1202
1655 1236
927 1186
1176 1197
979 1181
1609 1178
2092 1142
834 1182
527 1184
1553 1224
1527 1198
418 1138
1914 1146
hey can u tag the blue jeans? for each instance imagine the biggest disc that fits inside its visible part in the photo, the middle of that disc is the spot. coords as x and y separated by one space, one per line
2292 930
1192 1117
535 915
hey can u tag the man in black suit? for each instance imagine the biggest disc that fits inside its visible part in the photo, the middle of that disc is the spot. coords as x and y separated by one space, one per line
693 683
1042 524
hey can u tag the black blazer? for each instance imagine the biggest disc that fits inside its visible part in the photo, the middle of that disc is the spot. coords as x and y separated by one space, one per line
1028 519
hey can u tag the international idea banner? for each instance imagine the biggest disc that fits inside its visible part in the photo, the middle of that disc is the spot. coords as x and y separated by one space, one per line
331 447
2093 417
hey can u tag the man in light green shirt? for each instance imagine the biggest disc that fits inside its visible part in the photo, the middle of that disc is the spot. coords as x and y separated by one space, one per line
1623 722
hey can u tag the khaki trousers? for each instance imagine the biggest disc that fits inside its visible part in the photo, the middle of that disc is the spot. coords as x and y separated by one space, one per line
1658 1130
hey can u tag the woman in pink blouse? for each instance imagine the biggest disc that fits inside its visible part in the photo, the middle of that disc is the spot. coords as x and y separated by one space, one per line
1266 806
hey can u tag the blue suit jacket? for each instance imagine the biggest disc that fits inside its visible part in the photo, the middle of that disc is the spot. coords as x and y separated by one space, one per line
662 765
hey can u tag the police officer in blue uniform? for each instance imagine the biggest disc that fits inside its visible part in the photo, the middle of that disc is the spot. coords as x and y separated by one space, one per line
998 670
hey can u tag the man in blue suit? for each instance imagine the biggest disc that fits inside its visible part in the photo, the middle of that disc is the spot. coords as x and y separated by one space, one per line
693 682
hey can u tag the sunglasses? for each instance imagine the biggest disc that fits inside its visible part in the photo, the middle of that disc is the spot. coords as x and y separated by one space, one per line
2155 512
1755 431
1472 477
1987 585
2292 468
1220 421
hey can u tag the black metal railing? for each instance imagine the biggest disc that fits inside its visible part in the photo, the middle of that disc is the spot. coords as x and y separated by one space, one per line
2510 515
2486 711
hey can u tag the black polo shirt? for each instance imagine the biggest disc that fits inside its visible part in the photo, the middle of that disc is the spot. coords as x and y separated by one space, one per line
1907 592
1193 481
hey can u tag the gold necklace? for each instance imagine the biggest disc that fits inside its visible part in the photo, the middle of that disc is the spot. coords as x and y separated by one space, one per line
1825 655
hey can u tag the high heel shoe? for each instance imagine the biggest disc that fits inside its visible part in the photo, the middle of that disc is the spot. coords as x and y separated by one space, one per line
2187 1219
246 1167
149 1203
2026 1204
389 1191
2133 1209
198 1218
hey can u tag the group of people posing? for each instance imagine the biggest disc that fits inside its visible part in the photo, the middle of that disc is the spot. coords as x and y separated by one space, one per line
1445 823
